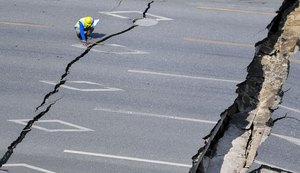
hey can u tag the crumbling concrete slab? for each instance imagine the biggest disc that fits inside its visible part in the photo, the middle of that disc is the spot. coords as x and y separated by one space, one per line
233 143
269 169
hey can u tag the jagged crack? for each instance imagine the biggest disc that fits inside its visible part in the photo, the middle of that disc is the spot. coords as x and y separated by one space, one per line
149 5
63 76
266 168
62 81
24 132
257 96
118 5
272 122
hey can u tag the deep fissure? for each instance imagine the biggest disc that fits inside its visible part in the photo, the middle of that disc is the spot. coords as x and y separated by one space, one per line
248 119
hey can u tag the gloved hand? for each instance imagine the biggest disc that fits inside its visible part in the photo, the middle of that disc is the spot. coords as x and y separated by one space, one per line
84 42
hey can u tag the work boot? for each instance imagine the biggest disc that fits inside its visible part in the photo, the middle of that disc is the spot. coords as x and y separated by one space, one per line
3 170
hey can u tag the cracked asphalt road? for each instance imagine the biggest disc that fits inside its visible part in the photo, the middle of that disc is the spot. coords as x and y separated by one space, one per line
37 45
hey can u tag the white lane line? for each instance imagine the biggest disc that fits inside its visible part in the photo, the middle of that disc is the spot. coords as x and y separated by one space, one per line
288 138
131 113
288 108
28 166
274 166
182 76
127 158
156 115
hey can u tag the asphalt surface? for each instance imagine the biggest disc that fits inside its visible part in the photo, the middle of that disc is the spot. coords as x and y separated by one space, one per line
142 101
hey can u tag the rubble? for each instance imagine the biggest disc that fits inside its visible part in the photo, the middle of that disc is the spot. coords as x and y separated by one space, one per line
233 143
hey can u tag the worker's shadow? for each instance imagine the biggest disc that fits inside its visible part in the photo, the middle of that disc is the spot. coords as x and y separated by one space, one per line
96 35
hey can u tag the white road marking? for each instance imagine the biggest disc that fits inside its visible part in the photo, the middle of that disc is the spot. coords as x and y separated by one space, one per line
131 113
28 166
145 22
83 82
274 166
75 128
155 115
128 51
288 108
288 138
116 14
182 76
127 158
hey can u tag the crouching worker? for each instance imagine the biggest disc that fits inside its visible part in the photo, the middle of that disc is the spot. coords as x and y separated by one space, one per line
84 27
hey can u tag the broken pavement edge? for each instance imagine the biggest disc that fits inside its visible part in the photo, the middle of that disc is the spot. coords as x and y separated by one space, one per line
232 144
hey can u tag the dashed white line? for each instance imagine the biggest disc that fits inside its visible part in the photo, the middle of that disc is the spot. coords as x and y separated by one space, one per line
155 115
128 158
288 138
182 76
288 108
28 166
131 113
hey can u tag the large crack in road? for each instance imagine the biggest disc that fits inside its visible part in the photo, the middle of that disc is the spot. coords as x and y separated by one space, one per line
233 143
61 82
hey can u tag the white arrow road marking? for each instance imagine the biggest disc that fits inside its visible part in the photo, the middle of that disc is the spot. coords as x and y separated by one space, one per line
75 128
116 14
83 82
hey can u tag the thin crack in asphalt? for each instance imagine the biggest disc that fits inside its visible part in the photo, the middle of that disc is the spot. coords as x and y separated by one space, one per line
118 5
62 81
272 122
149 5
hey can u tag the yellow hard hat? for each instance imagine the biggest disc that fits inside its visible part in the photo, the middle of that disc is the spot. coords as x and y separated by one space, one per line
88 20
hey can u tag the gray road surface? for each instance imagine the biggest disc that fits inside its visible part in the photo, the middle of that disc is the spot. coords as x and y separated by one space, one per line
141 102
